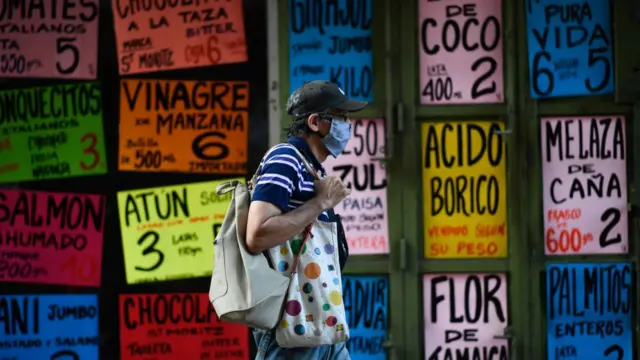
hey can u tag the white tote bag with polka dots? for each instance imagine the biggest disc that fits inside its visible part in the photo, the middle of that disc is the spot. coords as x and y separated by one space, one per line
313 313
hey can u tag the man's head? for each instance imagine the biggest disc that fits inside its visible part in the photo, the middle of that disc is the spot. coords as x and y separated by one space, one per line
320 114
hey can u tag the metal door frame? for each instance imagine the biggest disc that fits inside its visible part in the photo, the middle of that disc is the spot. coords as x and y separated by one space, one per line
385 50
526 260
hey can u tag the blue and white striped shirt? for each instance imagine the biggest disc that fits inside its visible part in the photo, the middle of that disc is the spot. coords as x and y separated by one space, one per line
283 180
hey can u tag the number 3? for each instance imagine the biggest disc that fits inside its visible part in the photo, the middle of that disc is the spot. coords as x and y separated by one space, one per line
151 249
90 150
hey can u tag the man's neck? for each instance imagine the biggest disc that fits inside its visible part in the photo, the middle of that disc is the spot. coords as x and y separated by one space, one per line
317 148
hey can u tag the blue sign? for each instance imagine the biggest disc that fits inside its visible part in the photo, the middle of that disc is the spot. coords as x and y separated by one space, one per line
49 327
589 311
570 48
332 42
366 301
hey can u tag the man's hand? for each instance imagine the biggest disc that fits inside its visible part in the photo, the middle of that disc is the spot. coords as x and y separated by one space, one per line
330 191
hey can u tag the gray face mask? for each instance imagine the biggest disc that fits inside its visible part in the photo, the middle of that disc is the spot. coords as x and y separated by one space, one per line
338 137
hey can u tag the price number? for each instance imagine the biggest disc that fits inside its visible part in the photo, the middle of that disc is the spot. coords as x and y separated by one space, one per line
151 159
367 139
612 216
12 63
149 240
614 352
207 147
83 269
457 35
540 74
90 141
65 355
210 51
216 229
21 271
439 89
566 240
65 46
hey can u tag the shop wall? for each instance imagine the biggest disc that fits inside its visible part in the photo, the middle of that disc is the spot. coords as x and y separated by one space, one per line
90 334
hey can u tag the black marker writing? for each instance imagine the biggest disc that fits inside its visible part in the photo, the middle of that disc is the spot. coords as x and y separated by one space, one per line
451 193
50 103
166 204
69 212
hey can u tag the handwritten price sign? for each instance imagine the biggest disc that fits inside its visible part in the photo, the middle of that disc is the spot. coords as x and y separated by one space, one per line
51 238
464 189
49 39
461 51
52 132
570 48
589 311
54 327
167 232
169 35
585 185
364 212
184 126
177 326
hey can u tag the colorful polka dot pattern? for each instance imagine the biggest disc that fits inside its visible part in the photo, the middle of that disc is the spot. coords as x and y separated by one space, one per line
314 312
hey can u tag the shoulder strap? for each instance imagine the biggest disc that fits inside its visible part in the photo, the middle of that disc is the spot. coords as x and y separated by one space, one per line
307 166
252 181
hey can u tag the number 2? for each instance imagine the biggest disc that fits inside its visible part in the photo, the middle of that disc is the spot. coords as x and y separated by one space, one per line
151 249
63 45
65 354
615 213
615 349
90 150
493 66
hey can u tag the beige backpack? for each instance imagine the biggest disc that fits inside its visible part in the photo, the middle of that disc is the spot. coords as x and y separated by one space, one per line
244 288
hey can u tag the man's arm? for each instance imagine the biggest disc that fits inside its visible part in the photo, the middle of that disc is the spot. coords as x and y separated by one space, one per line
267 227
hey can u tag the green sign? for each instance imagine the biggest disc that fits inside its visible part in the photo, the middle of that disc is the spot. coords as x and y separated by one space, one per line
51 132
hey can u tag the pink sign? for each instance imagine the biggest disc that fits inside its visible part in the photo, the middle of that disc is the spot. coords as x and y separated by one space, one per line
51 238
462 315
168 35
460 44
584 177
364 212
49 39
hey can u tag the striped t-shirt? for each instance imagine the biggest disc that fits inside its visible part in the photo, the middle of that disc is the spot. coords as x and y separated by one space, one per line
283 180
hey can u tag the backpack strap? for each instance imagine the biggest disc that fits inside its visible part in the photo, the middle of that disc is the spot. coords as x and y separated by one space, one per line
252 181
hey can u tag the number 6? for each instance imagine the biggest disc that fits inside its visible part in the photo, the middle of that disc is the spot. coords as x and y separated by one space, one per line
537 71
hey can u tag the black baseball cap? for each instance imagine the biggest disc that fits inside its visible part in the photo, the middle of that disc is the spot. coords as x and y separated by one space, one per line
318 96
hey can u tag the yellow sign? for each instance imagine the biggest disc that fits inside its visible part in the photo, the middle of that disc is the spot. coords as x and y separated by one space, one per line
168 232
464 190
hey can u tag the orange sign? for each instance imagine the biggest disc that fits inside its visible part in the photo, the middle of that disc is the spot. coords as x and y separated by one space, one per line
184 126
168 35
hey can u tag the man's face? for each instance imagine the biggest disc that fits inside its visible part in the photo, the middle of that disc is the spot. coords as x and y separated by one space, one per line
321 122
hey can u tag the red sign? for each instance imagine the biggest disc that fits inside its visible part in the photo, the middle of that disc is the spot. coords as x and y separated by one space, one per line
177 326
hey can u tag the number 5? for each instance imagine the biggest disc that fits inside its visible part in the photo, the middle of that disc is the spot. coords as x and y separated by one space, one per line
63 45
594 59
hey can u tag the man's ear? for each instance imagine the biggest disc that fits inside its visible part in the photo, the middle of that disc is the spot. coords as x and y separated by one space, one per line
313 121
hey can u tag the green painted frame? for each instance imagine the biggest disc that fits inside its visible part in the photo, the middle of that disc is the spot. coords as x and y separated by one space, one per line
526 262
417 114
387 265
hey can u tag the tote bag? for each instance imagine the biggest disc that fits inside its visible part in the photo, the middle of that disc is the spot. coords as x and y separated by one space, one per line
313 313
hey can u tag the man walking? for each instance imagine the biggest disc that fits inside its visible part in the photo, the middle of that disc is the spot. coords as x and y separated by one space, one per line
287 198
